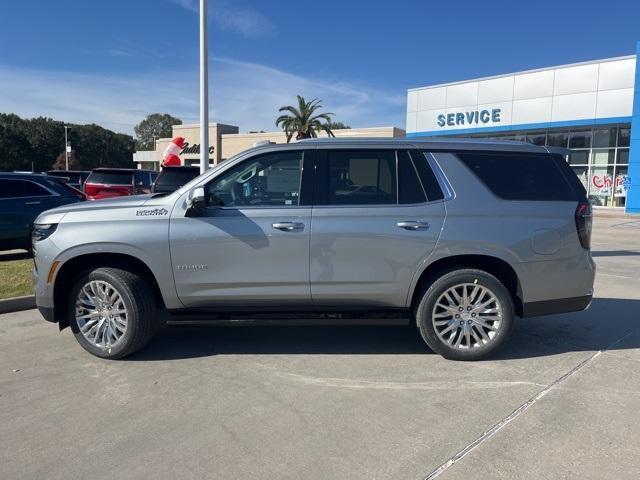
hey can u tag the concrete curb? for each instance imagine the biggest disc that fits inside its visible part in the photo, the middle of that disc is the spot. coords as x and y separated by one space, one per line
16 304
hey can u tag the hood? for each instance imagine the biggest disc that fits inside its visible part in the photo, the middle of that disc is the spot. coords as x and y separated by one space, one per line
55 214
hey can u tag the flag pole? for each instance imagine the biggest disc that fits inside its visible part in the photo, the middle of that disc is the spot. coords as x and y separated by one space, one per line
204 90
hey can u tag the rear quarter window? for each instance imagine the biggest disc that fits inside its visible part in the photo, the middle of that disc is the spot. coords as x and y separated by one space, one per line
516 176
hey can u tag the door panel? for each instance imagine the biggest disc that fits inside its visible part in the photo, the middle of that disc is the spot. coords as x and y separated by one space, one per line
361 257
237 258
250 246
366 255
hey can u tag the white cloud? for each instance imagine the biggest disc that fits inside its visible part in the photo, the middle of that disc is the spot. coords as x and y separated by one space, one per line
241 93
233 17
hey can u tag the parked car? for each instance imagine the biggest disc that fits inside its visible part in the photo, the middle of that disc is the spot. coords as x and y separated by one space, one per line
173 177
118 182
76 178
457 237
23 196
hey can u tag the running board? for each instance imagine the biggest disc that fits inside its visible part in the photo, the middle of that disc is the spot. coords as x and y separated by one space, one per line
288 318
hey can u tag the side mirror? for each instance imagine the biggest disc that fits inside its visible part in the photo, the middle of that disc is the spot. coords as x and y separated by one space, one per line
195 202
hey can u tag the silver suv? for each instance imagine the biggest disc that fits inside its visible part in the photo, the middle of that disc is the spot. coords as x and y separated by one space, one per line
456 237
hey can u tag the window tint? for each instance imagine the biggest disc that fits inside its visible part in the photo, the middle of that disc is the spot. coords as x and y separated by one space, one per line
427 177
267 180
409 186
21 188
362 177
514 176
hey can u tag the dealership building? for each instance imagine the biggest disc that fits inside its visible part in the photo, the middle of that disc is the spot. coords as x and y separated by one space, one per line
588 108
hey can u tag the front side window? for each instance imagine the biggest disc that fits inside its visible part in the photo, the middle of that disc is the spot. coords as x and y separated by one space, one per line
270 180
362 177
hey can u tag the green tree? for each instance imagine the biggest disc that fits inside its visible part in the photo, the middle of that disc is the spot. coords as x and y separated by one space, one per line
338 126
155 125
16 150
37 142
303 121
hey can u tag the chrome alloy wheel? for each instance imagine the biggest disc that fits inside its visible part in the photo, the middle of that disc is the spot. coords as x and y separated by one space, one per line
101 314
467 316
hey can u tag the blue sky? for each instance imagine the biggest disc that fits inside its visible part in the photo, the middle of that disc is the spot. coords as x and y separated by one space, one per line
112 62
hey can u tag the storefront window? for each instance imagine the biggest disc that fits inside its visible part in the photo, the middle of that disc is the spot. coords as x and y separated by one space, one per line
604 137
601 184
557 139
580 139
603 156
623 156
623 137
579 157
621 186
537 138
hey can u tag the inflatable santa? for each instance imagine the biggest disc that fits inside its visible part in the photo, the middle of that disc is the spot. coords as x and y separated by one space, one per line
170 156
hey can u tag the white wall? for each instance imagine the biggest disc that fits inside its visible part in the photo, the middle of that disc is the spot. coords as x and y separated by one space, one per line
587 91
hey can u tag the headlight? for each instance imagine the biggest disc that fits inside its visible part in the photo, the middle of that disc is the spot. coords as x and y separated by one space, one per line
42 231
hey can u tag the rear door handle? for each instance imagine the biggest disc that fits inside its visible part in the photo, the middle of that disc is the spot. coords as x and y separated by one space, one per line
287 226
413 225
32 203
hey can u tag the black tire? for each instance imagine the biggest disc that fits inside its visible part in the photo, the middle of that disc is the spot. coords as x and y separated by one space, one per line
139 302
425 310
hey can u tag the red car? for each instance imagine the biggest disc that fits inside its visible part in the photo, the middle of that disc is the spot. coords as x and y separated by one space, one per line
118 182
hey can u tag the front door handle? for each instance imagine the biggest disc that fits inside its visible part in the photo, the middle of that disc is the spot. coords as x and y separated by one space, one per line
413 225
32 203
287 226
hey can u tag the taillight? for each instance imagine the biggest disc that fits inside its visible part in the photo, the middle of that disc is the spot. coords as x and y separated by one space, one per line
583 224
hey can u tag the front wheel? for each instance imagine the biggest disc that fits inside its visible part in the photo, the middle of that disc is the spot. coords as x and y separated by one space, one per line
465 315
111 312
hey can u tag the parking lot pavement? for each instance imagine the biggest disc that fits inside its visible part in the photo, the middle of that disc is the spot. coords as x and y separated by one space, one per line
561 401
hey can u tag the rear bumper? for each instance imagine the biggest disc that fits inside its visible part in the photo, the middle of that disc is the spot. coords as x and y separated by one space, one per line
552 307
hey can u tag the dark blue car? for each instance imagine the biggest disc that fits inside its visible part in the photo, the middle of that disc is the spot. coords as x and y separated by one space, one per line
23 196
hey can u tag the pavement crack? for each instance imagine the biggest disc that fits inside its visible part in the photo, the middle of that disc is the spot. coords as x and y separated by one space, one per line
487 434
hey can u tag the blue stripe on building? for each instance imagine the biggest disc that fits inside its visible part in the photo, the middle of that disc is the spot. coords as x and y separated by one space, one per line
633 194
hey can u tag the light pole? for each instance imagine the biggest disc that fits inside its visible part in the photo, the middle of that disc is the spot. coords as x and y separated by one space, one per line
66 148
204 90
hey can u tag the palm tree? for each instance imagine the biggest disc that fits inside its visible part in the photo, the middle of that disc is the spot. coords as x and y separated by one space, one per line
303 121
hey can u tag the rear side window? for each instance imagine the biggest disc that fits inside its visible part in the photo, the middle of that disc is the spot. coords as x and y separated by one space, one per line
409 186
111 178
21 188
514 176
362 177
427 177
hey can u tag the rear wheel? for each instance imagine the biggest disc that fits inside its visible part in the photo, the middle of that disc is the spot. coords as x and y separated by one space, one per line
465 315
111 312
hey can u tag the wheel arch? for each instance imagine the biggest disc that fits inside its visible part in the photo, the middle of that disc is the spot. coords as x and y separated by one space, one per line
497 267
70 270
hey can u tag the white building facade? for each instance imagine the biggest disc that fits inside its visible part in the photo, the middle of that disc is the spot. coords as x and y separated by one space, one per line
586 107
